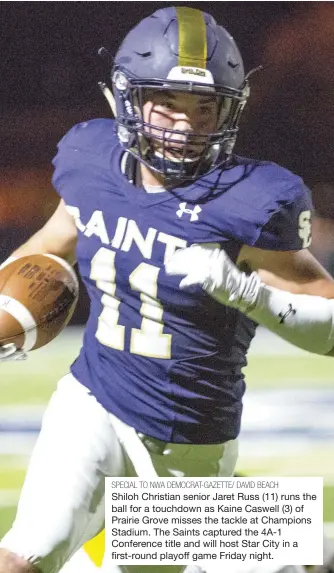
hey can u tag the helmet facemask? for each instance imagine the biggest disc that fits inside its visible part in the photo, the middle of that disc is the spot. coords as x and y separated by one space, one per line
179 156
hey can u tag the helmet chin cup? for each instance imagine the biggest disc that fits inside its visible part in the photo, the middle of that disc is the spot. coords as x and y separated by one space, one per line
175 170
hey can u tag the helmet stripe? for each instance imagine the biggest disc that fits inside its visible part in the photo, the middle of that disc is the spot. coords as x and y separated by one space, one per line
192 37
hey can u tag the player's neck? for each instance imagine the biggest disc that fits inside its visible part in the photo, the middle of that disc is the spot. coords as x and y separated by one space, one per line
150 178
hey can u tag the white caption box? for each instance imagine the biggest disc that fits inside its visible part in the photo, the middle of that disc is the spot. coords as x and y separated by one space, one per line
213 521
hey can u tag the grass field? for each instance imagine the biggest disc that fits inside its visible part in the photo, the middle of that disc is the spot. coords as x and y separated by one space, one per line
287 429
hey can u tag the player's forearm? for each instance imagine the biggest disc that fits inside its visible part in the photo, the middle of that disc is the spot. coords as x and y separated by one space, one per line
303 317
305 321
39 244
318 286
57 237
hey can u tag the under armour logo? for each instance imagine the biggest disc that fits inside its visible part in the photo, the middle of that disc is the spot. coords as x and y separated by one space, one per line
284 315
192 212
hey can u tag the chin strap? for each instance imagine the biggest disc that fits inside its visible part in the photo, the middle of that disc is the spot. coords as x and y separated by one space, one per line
109 96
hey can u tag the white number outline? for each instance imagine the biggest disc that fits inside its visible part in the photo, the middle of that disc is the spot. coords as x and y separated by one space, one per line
148 340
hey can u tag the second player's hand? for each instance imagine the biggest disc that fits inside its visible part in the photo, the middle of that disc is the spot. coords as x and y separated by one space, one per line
10 352
214 271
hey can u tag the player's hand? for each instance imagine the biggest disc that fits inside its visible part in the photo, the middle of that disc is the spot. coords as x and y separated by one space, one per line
212 269
10 352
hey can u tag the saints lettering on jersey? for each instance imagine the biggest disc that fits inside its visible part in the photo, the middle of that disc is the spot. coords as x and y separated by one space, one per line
126 234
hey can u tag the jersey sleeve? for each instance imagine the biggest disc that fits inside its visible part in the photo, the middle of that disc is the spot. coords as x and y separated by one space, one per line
67 162
289 227
81 154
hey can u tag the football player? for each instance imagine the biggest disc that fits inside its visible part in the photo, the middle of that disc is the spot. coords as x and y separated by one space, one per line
157 387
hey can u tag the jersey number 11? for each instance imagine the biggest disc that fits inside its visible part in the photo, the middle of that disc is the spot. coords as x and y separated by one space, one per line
149 340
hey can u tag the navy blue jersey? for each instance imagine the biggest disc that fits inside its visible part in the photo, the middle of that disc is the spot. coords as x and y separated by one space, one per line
166 361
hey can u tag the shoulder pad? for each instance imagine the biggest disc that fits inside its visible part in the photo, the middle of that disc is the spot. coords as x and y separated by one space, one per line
83 152
90 135
268 206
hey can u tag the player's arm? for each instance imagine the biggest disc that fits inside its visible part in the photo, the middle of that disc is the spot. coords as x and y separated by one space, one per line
57 237
288 291
303 314
298 272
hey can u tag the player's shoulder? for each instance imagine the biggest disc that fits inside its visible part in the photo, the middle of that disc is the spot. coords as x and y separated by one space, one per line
268 182
261 204
93 136
87 157
279 203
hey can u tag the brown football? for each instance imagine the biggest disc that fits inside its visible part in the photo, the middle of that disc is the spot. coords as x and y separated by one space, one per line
38 294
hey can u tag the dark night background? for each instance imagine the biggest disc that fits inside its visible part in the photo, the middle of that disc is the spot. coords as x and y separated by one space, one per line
49 74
